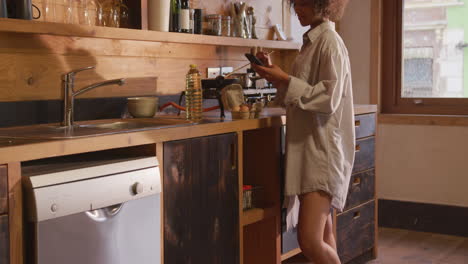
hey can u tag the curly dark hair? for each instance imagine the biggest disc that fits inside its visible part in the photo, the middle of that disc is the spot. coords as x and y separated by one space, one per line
331 9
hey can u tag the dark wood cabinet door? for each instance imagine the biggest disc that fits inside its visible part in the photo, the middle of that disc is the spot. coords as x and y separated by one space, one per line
201 211
179 203
4 240
3 190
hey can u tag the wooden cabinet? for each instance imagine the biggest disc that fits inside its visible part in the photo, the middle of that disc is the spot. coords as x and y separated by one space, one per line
3 190
361 189
4 240
261 167
201 208
356 225
4 227
356 232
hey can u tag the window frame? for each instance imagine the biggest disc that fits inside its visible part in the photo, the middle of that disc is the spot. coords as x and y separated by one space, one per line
391 72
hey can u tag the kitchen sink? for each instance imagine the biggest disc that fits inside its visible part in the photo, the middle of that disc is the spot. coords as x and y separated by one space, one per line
91 128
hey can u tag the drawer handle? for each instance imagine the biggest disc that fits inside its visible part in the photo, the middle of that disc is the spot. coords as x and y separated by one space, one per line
357 181
358 148
356 215
357 123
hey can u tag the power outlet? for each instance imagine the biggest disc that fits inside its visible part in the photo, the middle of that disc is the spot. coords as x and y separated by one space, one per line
226 70
213 72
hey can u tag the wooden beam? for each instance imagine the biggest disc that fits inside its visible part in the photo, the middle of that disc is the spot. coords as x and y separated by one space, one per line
15 198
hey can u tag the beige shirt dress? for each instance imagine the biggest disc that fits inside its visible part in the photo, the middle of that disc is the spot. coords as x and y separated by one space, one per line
320 131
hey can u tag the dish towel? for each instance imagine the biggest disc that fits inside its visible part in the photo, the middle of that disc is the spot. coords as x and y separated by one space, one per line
291 203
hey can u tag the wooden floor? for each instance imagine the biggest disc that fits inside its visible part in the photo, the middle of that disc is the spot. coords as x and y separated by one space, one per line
408 247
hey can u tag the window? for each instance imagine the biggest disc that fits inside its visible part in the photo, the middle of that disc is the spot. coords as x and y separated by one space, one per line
425 57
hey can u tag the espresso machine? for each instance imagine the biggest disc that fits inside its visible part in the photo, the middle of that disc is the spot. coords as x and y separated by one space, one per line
253 92
255 87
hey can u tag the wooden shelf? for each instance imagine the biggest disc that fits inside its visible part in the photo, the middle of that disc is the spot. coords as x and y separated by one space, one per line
258 214
38 27
290 254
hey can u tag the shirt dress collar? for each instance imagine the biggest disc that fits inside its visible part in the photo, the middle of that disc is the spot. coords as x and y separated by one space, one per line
313 34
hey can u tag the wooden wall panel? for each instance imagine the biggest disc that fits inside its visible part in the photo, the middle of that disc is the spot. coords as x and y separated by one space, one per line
32 65
78 46
38 77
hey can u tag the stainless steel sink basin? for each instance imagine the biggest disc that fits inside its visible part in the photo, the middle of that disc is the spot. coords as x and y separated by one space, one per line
93 128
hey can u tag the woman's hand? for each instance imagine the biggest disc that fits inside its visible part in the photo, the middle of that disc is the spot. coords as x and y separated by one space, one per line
273 74
264 58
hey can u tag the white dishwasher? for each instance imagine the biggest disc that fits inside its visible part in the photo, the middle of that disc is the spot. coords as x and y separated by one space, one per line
97 212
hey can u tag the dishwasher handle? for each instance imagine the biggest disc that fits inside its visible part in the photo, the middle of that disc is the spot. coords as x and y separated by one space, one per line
104 214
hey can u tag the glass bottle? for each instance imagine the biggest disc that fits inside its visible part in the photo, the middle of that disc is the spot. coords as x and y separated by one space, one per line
193 95
198 23
192 21
175 13
184 18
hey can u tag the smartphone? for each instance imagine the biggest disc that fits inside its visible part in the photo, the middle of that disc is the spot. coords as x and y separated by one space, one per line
254 59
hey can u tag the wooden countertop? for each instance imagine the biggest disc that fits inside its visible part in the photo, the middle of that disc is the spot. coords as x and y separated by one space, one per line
14 150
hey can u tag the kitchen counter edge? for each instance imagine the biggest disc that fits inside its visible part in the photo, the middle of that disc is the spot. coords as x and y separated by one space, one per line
24 150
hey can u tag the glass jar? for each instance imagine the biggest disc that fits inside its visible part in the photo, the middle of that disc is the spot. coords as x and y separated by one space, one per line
226 26
214 25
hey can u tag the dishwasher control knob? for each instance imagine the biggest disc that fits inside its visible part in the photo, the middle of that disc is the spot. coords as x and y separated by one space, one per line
137 188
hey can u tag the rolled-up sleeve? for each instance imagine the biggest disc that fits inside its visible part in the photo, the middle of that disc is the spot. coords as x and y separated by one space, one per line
325 96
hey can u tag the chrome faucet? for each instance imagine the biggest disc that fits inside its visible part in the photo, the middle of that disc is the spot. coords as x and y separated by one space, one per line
69 93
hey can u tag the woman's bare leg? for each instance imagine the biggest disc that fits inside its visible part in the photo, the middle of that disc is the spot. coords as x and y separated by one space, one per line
328 235
313 216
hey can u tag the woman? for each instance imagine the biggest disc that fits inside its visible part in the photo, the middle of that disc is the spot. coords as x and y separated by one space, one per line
320 125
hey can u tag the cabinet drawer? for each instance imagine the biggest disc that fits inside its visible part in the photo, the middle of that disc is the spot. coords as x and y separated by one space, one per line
365 155
3 190
361 189
4 240
365 125
355 231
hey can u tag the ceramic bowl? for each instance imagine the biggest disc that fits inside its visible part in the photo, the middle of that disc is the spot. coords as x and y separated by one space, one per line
141 107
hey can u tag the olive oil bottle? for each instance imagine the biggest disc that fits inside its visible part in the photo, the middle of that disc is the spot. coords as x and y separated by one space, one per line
193 95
